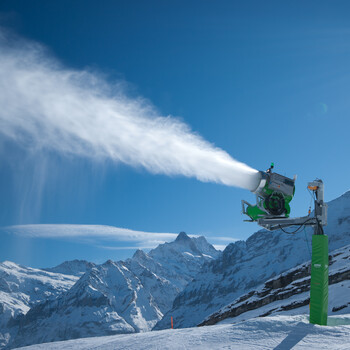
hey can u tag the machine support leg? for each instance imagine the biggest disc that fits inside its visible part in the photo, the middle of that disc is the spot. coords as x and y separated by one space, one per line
319 280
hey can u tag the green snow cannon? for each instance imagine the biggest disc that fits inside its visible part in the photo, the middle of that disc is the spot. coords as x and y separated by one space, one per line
273 196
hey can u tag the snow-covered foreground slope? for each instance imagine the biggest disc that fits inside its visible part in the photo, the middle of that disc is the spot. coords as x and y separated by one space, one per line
244 265
277 332
289 293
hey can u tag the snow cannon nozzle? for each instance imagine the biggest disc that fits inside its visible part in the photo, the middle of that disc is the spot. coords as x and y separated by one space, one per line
273 195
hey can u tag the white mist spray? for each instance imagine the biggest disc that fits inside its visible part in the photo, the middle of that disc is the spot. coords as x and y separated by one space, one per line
46 106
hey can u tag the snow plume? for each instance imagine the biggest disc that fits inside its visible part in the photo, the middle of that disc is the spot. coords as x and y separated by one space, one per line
47 106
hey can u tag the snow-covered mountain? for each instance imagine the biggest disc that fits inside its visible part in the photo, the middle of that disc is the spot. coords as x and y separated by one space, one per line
72 268
23 287
289 293
180 260
117 297
244 265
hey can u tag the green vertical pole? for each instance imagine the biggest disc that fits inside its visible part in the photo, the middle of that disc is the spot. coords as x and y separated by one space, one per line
319 280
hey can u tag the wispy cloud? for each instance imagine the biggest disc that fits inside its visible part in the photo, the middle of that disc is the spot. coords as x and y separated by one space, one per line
102 236
100 231
134 247
106 237
47 106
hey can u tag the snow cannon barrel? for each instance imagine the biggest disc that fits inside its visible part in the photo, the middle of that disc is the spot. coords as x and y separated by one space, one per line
273 195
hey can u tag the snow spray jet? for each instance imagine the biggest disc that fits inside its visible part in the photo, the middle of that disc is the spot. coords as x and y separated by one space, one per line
47 106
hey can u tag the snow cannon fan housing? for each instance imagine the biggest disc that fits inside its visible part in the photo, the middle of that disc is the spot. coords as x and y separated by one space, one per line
273 196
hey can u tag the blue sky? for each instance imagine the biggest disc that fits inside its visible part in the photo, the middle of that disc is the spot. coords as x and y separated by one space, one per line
264 81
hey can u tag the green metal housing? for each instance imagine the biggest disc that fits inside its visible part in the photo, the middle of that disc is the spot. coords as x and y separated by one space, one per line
255 212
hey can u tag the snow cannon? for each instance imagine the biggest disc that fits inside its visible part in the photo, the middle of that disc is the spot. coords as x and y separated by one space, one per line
273 195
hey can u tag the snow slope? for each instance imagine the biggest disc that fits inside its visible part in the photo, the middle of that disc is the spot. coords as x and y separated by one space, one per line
276 332
244 265
289 293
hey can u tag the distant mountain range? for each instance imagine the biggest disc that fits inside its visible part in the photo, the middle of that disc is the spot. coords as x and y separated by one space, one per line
116 297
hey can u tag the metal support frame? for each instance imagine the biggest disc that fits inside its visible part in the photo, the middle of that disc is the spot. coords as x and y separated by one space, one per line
273 224
319 219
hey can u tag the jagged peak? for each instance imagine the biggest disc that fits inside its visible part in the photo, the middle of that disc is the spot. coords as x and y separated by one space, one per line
182 237
203 241
201 238
108 263
75 261
139 254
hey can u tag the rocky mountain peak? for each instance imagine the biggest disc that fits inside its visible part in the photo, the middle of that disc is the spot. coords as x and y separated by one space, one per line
139 255
182 237
72 267
109 262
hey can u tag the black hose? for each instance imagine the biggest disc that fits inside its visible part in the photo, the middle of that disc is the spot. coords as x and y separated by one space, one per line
291 233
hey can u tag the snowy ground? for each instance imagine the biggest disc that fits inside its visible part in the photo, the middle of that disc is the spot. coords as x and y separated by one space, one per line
277 332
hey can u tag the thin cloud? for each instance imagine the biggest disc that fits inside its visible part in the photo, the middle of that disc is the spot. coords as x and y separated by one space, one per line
87 231
127 248
102 236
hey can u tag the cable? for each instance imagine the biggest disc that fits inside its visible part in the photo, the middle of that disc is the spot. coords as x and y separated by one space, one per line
307 243
320 226
303 224
292 233
311 199
313 195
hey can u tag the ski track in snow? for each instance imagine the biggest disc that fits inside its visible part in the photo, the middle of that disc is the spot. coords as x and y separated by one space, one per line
277 332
